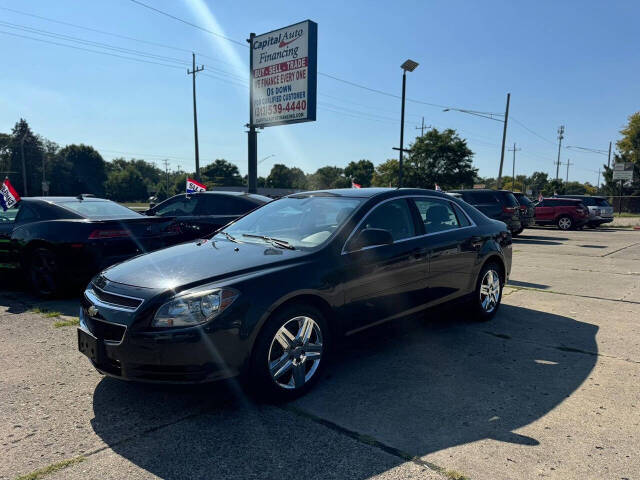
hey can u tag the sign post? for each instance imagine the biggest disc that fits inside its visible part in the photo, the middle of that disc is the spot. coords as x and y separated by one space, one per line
283 84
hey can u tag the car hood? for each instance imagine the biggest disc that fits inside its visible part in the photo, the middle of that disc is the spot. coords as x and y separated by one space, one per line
194 262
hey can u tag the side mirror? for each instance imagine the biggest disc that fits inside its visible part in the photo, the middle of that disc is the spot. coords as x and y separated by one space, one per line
150 212
371 237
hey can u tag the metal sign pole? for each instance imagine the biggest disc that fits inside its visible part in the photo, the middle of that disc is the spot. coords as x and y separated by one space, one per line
252 134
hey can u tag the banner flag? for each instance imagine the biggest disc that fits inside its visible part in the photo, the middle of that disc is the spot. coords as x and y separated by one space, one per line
8 195
194 187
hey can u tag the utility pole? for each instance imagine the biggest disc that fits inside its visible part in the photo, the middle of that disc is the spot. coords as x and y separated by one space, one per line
504 139
560 137
568 165
514 150
421 128
45 187
193 72
598 184
252 134
609 158
24 165
166 171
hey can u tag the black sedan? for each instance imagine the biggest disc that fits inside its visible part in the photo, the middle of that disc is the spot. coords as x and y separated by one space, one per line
200 214
59 242
265 296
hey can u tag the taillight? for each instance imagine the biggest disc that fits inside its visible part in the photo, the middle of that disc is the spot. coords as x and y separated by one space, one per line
173 228
508 209
101 234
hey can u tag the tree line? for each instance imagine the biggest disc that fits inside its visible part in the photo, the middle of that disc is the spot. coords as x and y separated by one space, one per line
439 157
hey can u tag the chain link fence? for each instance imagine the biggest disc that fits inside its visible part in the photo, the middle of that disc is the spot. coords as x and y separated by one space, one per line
625 204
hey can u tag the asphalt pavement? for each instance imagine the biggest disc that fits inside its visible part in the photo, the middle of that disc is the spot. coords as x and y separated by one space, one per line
547 389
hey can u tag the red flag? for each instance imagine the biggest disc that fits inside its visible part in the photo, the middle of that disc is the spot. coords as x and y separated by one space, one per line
355 185
8 195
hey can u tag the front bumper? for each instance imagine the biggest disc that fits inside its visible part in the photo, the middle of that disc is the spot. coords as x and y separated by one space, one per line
185 355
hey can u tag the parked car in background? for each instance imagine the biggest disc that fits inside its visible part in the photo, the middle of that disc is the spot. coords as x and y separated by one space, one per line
566 213
600 211
267 295
200 214
497 204
527 210
62 241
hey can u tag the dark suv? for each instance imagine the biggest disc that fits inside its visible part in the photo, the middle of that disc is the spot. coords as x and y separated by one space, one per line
527 210
566 213
497 204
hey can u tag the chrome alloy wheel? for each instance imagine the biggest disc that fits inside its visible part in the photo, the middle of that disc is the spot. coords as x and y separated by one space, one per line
490 291
295 353
564 223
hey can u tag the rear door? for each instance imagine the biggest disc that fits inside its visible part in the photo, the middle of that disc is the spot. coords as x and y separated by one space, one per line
216 210
387 280
452 248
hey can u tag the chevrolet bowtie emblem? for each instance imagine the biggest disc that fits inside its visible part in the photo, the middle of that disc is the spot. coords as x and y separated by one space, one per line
92 310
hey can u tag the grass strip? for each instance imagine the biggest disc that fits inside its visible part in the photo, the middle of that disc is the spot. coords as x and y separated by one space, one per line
49 469
67 323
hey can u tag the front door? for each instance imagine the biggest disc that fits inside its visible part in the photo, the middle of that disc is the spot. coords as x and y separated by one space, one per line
385 281
7 224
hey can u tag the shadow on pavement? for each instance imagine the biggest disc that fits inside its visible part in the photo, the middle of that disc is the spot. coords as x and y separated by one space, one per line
417 386
516 283
536 240
16 297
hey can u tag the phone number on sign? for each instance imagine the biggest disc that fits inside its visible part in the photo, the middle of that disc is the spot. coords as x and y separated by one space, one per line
280 107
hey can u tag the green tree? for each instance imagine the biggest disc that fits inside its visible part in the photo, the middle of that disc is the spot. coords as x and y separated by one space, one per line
221 173
441 158
279 177
328 177
24 141
88 170
126 185
537 182
360 172
553 187
298 179
386 174
629 145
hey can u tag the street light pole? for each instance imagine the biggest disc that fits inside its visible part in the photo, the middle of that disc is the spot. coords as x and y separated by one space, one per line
504 139
407 66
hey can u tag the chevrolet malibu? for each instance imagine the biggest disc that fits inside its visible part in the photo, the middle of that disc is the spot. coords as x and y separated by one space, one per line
266 296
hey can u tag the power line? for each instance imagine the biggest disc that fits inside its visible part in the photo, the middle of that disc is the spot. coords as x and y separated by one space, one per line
532 132
116 35
166 14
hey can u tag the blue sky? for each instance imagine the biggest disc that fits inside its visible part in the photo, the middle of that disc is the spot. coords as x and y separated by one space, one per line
572 63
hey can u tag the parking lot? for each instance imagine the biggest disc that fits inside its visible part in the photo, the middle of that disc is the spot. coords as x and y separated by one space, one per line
548 389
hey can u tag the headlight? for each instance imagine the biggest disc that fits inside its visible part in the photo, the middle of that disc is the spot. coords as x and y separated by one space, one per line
194 308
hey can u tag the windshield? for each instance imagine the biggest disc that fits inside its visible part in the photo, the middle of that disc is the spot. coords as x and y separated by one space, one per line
99 210
303 222
510 200
601 202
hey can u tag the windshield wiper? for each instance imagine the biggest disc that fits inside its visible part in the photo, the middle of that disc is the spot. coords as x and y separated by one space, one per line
275 241
229 236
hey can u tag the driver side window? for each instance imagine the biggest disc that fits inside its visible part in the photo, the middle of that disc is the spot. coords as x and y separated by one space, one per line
177 207
394 216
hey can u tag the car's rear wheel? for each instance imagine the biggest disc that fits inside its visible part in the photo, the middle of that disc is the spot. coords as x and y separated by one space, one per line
488 293
515 233
290 353
44 272
565 222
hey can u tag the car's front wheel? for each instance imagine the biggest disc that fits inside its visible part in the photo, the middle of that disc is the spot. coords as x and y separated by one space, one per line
44 272
290 353
488 293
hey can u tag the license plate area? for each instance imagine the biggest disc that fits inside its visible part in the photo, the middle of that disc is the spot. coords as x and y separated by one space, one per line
89 346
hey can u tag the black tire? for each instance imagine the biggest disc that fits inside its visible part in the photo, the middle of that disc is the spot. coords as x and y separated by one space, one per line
475 304
268 350
44 272
565 222
515 233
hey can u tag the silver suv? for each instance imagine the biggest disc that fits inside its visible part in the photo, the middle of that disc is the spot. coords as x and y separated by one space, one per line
600 211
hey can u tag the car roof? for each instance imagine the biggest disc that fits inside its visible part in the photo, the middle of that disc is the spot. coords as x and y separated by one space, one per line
580 196
562 198
367 192
231 193
465 190
63 199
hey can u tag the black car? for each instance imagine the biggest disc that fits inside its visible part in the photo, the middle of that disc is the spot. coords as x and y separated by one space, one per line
200 214
63 241
527 210
266 295
497 204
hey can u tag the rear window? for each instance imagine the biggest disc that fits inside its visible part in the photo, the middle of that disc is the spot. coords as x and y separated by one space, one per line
8 216
99 210
524 200
476 198
510 199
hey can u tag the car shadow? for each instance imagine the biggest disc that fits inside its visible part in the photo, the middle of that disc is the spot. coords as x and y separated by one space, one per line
523 239
517 283
415 385
16 297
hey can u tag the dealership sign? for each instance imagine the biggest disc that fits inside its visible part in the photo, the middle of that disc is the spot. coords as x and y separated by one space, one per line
623 171
284 75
